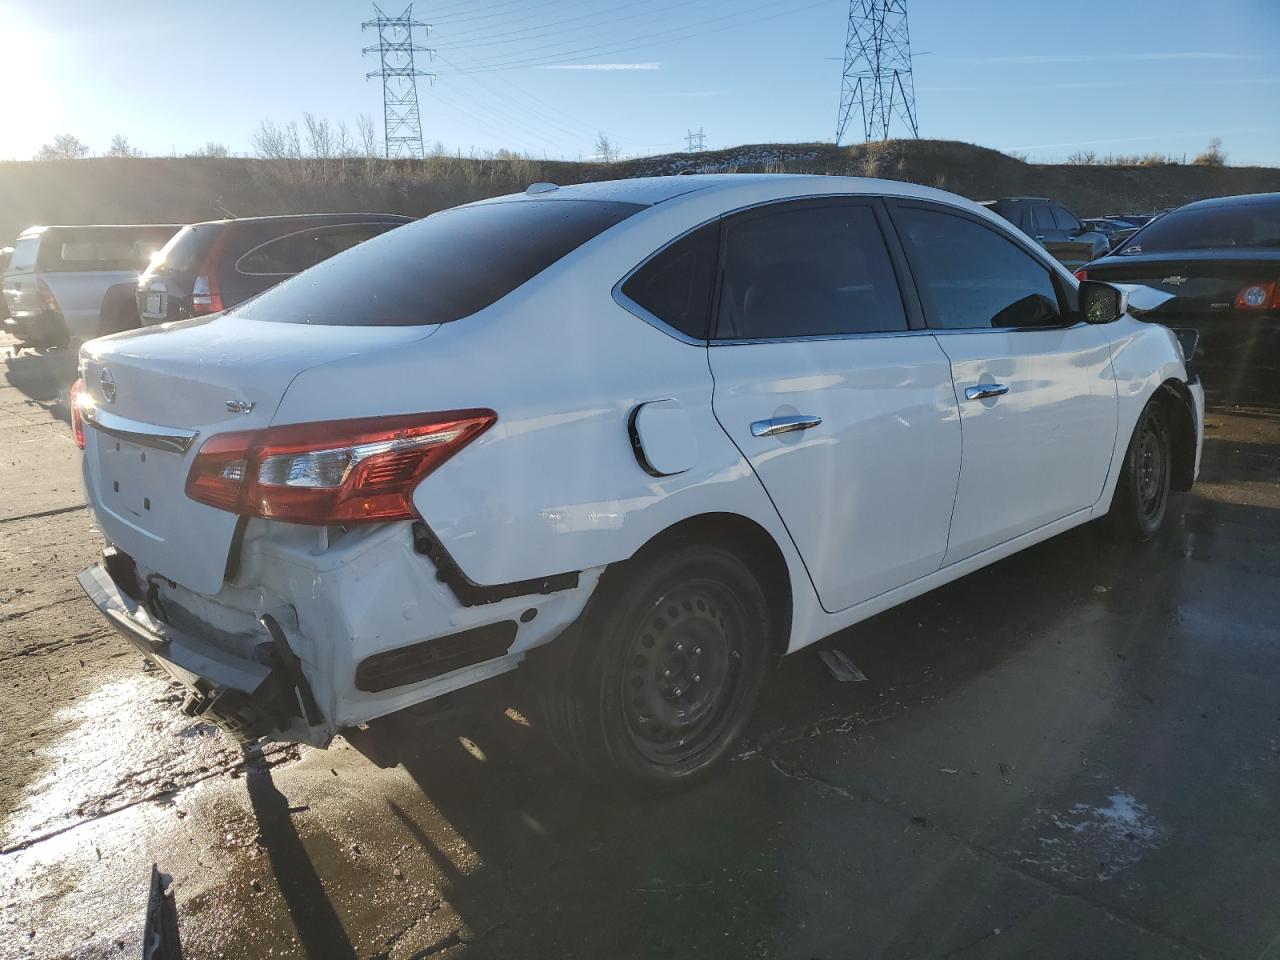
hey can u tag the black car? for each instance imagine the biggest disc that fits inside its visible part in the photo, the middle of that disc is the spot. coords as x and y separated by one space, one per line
208 267
1053 226
1221 261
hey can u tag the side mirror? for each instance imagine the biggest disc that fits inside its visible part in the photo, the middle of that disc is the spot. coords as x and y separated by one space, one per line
1106 302
1100 302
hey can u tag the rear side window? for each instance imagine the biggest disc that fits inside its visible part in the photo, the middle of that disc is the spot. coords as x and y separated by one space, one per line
440 269
677 284
974 278
300 249
807 271
24 255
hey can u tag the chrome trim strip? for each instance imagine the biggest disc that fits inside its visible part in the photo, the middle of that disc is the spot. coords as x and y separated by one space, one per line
172 439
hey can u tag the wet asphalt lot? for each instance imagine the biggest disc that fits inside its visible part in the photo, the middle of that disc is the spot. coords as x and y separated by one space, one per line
1074 753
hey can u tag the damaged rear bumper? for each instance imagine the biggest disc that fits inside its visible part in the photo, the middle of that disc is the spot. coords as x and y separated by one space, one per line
247 698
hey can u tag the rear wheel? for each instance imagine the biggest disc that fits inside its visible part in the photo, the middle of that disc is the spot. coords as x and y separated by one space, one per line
1142 492
672 659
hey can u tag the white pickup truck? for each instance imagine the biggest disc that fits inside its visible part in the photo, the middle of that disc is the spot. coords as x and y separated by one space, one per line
72 283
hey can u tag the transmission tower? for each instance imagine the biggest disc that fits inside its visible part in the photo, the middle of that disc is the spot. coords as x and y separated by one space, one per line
401 122
877 69
697 141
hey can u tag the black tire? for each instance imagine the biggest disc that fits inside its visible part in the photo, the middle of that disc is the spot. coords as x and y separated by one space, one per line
669 666
1142 493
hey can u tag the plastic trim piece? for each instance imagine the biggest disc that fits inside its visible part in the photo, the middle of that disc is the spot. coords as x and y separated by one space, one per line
472 594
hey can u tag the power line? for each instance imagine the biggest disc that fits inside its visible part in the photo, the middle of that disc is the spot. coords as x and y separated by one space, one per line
647 40
481 38
401 122
697 141
877 69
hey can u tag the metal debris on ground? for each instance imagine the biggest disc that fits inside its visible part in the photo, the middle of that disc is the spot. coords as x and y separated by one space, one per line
160 940
841 667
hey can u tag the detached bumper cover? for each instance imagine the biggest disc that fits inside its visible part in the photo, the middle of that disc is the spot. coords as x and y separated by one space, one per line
246 698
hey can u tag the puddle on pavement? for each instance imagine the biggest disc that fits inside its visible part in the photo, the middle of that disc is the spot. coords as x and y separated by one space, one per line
125 742
1096 842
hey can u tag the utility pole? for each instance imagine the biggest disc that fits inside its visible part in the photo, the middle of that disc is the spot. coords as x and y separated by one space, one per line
877 69
401 122
697 141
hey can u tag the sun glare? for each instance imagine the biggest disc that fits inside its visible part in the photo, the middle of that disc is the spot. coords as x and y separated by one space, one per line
26 119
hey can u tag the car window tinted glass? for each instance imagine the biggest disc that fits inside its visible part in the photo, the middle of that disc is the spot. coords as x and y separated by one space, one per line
1065 219
1254 225
186 247
439 269
299 249
973 276
1041 218
807 271
677 284
24 255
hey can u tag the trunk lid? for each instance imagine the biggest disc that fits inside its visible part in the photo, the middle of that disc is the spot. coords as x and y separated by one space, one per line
1205 284
159 394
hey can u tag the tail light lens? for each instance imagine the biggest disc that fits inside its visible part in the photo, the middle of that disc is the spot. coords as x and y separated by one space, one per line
48 301
79 397
334 472
205 296
1259 296
1082 274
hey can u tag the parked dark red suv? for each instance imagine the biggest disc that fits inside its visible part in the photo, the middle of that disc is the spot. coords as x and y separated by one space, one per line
208 267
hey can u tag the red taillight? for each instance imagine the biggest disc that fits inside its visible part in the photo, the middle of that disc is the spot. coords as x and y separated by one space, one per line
338 471
205 296
1259 296
78 399
1082 274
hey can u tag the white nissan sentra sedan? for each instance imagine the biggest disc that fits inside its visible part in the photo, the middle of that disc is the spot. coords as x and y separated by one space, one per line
634 438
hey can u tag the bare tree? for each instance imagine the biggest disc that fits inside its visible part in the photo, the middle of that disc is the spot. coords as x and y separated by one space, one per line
606 150
1083 157
64 147
120 147
274 141
368 133
211 149
1212 156
319 136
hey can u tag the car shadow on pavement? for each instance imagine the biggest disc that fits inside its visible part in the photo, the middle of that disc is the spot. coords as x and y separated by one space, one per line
314 917
44 376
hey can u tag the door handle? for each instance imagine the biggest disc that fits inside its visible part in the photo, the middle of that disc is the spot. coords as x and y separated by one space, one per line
984 391
776 425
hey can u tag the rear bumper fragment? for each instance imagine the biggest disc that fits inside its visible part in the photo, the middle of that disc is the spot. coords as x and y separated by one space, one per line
245 698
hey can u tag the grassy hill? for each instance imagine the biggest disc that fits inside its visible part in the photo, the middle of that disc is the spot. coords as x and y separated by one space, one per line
191 189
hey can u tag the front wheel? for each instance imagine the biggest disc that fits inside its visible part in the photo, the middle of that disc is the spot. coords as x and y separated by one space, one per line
672 659
1142 492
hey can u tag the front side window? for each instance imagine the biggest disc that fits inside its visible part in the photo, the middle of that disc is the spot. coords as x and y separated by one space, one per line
807 271
676 285
443 268
1041 218
1066 220
974 278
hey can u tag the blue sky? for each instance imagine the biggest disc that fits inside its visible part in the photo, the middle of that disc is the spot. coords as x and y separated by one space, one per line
545 76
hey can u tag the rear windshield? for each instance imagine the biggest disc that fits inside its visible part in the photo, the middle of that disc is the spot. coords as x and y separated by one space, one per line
448 266
1234 225
24 255
180 254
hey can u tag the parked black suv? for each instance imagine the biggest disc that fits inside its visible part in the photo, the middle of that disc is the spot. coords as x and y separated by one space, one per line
211 266
1052 226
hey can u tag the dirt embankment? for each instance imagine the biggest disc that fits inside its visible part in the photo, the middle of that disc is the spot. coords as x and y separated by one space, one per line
192 189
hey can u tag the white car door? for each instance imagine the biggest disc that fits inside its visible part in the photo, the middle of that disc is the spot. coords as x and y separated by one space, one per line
843 407
1035 388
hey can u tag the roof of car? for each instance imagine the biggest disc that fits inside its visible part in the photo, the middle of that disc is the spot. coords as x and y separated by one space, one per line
654 190
1241 200
294 217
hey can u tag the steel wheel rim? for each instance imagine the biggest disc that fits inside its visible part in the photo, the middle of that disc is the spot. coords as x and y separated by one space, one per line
1152 468
681 676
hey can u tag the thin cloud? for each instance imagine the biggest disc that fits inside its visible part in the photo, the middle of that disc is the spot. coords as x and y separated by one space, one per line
601 66
688 94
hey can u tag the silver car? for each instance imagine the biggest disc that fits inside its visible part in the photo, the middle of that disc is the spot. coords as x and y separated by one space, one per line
72 283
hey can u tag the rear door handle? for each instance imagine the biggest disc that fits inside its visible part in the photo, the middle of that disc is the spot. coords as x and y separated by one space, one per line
776 425
985 391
